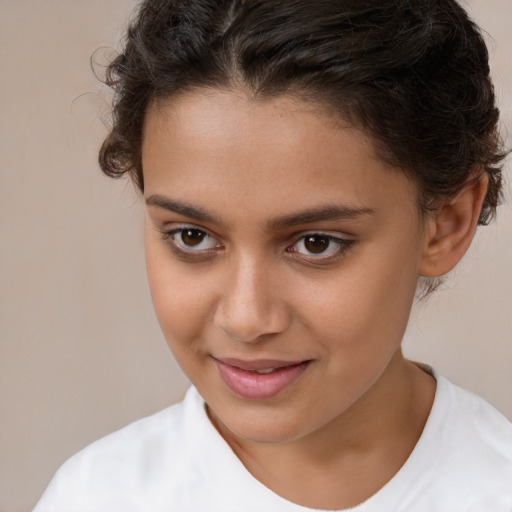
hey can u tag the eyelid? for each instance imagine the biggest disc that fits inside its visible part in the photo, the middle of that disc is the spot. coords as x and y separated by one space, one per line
324 232
344 242
181 226
332 235
167 235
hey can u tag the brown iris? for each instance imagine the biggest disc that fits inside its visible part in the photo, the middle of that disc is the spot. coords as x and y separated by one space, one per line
316 244
192 237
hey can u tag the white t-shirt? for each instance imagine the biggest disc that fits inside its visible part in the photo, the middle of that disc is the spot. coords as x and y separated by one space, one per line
175 461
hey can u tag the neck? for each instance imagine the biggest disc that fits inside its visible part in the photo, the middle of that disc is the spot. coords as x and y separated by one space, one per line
364 447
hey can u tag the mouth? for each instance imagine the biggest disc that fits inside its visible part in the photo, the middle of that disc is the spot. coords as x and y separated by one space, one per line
259 379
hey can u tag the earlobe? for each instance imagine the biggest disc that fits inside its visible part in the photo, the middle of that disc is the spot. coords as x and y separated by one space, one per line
451 228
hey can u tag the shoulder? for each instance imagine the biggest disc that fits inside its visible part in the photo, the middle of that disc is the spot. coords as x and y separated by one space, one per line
470 445
476 421
462 461
125 466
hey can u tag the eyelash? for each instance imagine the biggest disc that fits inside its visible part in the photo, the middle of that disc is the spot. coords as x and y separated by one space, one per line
168 235
344 244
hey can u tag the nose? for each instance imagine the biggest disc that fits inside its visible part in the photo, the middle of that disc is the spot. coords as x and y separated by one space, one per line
250 307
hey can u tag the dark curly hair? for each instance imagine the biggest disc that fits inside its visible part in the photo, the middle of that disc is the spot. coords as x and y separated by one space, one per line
414 74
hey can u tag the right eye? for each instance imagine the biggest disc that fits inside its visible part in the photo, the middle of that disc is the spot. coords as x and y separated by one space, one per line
191 239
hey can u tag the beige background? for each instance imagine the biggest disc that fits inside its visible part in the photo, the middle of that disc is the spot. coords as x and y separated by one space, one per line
80 351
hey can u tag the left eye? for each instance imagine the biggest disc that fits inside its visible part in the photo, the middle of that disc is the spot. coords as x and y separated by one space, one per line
192 239
319 244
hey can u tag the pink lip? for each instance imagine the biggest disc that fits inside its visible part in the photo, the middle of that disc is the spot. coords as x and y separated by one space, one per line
241 377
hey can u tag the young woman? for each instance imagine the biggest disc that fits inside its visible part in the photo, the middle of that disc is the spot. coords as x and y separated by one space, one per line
305 167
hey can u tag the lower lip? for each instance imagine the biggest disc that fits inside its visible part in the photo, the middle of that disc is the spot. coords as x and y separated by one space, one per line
258 386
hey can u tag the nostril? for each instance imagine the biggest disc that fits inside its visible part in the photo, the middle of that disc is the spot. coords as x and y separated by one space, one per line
250 328
244 334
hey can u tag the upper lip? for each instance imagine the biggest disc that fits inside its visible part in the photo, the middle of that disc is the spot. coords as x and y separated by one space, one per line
258 364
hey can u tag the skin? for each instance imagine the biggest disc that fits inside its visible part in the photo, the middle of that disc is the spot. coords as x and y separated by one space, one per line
252 290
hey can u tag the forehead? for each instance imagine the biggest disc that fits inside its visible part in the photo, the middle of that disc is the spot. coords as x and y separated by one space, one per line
269 154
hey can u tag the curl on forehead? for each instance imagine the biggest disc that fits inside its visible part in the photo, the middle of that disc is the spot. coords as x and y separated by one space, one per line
413 74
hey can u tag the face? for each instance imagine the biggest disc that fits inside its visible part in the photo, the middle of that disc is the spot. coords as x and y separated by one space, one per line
282 257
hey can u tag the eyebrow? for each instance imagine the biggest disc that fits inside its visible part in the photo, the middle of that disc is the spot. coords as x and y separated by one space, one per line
182 208
329 212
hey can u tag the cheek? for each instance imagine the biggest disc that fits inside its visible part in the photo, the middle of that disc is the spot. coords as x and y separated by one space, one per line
179 298
365 309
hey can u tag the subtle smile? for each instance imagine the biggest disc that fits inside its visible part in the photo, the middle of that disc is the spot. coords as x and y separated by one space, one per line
259 379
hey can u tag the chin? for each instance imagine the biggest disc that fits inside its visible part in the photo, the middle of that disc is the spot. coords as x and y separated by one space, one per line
258 429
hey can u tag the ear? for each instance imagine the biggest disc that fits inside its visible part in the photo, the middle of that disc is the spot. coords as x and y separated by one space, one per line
450 230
